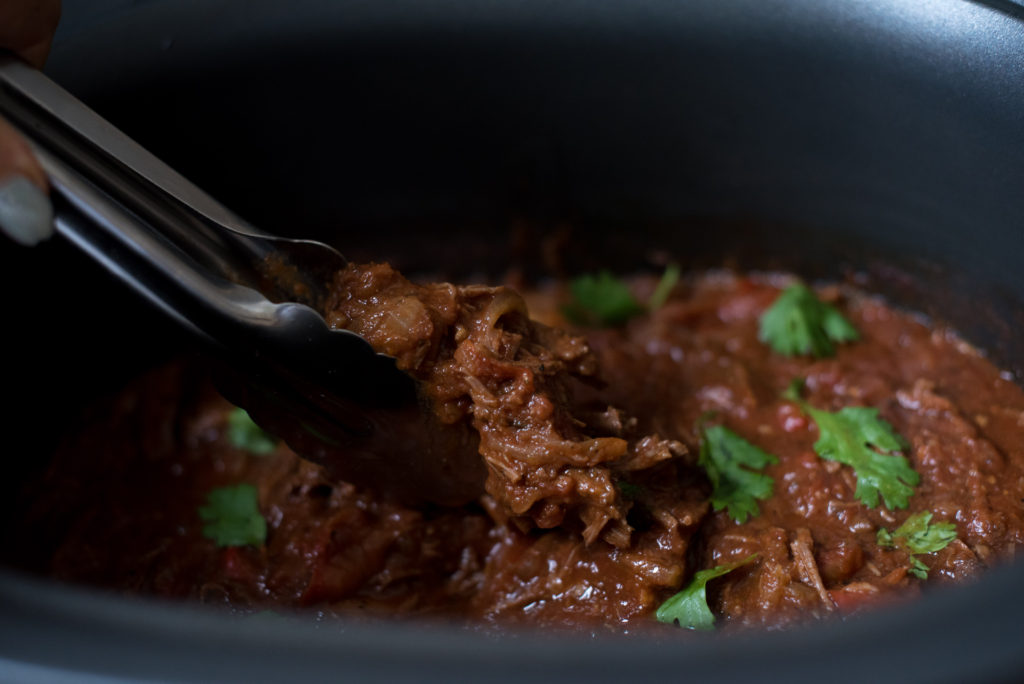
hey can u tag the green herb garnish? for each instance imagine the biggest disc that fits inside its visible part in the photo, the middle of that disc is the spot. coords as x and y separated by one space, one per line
857 437
232 516
243 433
689 608
799 323
603 300
917 535
600 300
664 288
731 463
794 390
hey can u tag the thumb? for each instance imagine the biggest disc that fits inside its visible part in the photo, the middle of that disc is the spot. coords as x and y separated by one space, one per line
26 215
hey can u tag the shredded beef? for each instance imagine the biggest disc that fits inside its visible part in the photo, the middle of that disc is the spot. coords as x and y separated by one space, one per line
478 354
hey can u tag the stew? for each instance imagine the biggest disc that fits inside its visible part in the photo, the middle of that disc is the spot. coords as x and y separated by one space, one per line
640 459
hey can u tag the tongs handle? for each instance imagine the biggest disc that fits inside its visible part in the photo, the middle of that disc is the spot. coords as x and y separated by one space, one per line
108 179
166 238
131 250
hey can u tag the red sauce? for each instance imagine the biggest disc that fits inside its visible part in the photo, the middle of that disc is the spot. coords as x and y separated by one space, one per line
119 502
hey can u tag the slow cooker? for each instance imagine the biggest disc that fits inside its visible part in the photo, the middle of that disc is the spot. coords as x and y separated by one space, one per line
879 141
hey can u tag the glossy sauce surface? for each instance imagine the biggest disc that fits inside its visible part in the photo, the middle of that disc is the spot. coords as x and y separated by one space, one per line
118 506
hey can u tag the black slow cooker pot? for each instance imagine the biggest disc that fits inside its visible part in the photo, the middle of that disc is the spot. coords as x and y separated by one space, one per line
881 141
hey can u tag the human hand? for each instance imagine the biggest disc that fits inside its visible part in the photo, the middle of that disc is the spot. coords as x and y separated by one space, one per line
26 28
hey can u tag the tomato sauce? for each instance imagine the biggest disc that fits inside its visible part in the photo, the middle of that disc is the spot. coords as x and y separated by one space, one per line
118 507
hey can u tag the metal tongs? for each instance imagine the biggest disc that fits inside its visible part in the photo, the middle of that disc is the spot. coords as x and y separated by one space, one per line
254 298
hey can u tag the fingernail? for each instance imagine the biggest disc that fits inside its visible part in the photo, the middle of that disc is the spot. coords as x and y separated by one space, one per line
26 215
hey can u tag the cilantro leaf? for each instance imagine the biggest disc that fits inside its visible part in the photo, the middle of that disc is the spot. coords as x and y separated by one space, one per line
857 437
243 433
730 463
689 608
917 535
794 390
603 300
917 568
799 323
664 288
232 516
